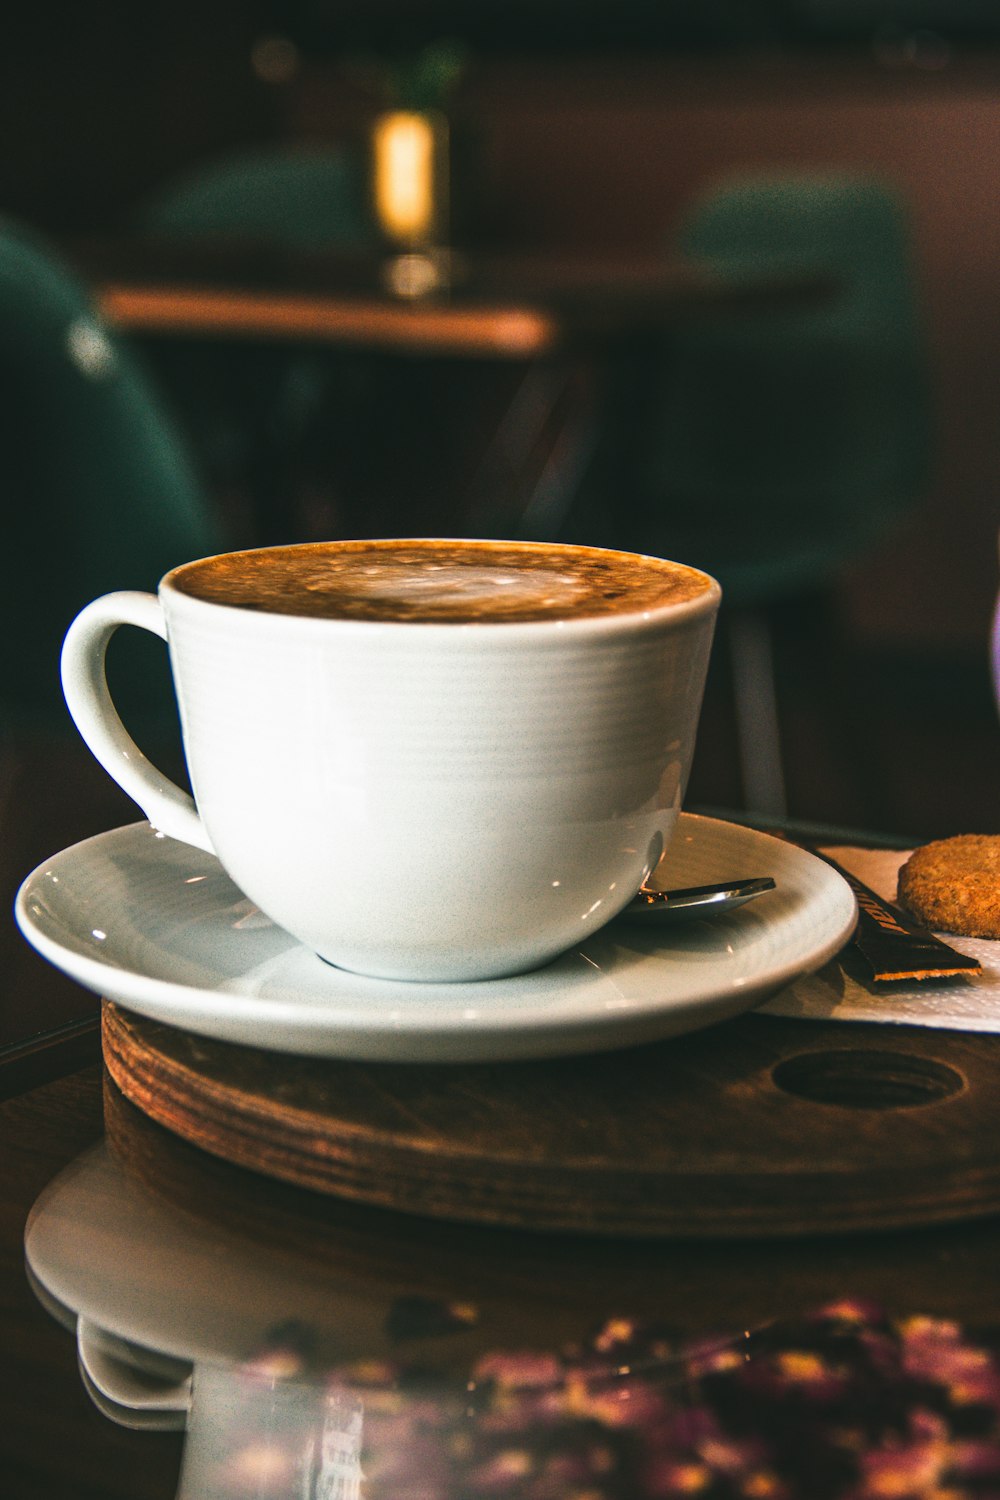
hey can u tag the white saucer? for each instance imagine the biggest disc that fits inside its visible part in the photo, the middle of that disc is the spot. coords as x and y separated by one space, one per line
160 928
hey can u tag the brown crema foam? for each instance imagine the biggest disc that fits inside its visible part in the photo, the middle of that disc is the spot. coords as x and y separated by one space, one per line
439 581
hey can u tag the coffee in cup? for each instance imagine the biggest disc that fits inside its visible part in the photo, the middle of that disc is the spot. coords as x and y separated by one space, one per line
423 580
425 759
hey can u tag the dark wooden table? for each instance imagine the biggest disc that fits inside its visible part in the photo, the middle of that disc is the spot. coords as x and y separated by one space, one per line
362 1265
350 1270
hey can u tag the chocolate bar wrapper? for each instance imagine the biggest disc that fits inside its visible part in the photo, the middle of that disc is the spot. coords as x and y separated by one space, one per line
894 947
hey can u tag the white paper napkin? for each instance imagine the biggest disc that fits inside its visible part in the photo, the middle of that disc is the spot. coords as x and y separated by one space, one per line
965 1003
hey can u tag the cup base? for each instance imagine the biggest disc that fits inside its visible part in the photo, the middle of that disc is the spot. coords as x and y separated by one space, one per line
452 973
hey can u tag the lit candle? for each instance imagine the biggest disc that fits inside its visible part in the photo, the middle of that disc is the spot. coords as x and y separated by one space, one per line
405 149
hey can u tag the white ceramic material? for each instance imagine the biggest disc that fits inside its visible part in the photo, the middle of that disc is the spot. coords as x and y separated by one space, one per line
160 928
414 800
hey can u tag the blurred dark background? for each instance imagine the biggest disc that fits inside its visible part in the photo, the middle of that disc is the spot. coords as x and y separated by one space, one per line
594 126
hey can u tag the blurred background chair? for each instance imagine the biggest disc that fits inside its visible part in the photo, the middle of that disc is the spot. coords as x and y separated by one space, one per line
787 441
263 417
99 492
307 198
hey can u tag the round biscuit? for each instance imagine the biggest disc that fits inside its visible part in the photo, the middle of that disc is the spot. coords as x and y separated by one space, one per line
953 885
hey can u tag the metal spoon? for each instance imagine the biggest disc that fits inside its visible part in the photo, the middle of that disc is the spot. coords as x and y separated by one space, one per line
650 905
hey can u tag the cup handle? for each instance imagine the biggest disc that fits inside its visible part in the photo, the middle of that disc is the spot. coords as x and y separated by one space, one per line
85 685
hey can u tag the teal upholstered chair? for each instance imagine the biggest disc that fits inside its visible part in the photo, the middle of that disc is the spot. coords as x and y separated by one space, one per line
98 492
795 435
790 439
308 198
261 415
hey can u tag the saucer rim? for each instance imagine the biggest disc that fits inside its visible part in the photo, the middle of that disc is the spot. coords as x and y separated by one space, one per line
350 1031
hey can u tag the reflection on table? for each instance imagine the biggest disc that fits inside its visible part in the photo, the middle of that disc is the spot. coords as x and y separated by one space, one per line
310 1347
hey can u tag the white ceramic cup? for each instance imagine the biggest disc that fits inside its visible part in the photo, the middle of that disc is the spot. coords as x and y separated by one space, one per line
414 800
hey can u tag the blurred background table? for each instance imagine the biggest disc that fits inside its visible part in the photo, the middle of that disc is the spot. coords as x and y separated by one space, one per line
516 306
551 335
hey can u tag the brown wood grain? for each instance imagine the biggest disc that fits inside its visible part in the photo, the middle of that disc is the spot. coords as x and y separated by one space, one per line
761 1126
530 1289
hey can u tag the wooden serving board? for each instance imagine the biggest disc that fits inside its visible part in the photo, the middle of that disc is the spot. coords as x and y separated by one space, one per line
759 1126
